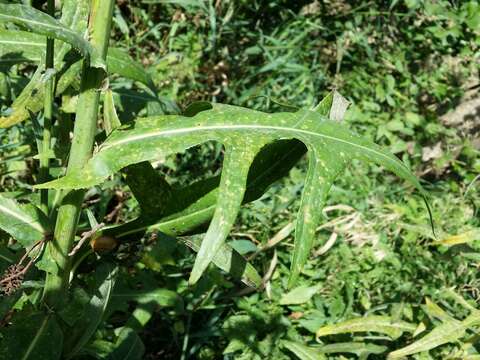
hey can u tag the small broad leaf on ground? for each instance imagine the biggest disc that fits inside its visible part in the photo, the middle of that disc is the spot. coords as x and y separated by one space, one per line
161 297
299 295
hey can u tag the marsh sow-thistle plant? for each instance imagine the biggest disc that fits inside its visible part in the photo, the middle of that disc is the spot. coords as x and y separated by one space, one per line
259 149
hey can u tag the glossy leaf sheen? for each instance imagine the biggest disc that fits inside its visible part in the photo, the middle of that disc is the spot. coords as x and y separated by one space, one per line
243 132
20 46
24 222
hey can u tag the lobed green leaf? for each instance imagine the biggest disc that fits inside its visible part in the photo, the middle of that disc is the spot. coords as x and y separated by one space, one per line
244 133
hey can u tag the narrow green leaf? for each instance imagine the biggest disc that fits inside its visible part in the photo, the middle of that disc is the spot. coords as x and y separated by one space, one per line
362 350
193 206
463 238
172 133
232 187
303 352
323 168
36 337
24 222
41 23
74 16
132 102
378 324
20 46
128 346
86 326
449 331
435 311
228 260
119 62
324 106
110 117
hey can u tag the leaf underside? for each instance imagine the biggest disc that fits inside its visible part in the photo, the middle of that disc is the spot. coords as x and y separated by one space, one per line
244 133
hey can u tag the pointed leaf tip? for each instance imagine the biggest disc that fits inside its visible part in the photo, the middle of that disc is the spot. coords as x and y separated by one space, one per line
233 181
323 168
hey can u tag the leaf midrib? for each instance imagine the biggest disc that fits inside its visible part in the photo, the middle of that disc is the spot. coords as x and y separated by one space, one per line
35 339
22 43
23 219
30 21
240 127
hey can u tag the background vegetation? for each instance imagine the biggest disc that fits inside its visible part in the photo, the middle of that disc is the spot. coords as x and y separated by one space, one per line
411 72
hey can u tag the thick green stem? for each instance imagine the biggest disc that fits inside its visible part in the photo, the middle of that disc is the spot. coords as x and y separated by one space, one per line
44 172
83 138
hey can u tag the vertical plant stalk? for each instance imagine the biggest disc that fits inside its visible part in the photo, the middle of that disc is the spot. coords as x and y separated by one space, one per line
44 171
99 26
